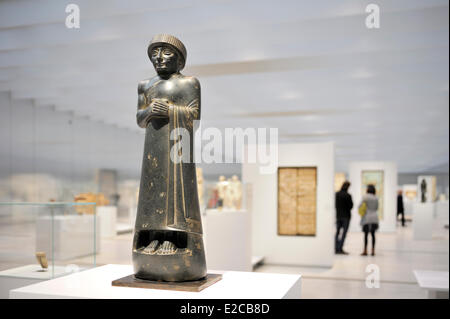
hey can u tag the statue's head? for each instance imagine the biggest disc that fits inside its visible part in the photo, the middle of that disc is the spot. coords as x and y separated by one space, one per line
167 54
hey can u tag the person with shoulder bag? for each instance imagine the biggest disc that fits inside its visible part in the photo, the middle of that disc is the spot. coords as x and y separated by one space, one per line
368 210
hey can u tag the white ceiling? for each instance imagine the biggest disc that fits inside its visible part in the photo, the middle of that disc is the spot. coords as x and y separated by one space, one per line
311 69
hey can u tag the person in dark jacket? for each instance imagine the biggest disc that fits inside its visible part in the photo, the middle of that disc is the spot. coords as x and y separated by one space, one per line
344 205
400 207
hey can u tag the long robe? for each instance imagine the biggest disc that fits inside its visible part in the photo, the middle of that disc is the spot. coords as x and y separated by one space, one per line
168 197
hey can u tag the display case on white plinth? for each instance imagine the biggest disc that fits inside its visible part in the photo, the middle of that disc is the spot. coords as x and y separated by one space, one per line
97 283
227 236
107 218
24 276
30 274
316 161
68 236
50 233
383 175
423 216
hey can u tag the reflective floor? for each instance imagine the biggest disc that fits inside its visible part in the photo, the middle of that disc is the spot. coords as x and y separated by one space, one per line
397 255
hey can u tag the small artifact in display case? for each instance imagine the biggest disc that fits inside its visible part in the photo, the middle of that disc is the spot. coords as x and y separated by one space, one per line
411 194
168 238
42 259
99 200
297 188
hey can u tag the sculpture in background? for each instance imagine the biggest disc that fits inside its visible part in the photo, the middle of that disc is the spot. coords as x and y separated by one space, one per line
423 191
99 200
42 259
200 185
222 188
234 193
168 240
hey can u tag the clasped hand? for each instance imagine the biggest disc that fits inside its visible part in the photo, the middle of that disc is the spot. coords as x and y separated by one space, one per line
159 108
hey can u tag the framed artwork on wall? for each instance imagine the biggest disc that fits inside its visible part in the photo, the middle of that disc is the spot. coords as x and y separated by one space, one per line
297 201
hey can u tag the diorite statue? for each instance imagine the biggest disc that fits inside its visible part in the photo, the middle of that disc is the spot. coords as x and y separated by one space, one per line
168 240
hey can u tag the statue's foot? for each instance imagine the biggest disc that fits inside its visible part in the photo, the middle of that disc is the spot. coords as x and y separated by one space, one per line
167 248
151 248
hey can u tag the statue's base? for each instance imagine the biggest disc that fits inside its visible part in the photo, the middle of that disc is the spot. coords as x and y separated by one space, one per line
193 286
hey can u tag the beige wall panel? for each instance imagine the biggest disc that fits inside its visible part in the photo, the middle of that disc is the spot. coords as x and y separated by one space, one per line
287 181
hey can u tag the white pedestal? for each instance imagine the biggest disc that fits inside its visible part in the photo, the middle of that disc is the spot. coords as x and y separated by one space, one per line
73 236
96 283
107 217
442 213
435 282
27 275
227 236
423 220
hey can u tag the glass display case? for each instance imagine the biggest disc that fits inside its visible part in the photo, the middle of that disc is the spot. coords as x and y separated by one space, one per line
41 241
227 195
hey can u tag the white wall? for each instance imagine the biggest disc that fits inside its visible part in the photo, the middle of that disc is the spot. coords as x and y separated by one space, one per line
293 250
388 224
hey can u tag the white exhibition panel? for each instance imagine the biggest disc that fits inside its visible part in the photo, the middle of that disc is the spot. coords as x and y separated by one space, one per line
107 218
423 217
408 203
315 250
73 236
96 283
227 236
388 223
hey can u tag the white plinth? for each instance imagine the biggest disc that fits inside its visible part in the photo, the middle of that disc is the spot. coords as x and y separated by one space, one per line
26 275
442 213
227 236
73 236
435 282
423 220
107 218
96 283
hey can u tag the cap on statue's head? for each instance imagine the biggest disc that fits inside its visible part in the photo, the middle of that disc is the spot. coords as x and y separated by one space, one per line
170 40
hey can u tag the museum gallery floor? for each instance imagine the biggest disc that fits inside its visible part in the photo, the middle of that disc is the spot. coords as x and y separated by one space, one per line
398 255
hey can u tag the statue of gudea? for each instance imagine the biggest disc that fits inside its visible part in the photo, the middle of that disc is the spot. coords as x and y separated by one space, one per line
168 240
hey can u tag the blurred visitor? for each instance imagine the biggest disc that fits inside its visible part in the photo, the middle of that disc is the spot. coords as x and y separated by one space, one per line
400 207
344 205
369 217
